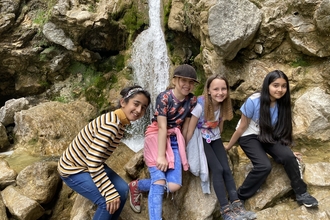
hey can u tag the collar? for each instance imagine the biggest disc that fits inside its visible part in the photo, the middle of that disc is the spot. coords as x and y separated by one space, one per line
122 117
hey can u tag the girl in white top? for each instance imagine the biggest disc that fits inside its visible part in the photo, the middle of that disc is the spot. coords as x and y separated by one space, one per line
212 109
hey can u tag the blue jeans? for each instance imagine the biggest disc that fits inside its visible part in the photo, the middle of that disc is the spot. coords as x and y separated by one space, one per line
83 184
155 198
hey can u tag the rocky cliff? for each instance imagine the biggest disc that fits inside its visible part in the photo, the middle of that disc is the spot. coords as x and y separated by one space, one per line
65 58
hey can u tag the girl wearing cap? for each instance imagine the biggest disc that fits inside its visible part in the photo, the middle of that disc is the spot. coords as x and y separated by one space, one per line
164 146
82 166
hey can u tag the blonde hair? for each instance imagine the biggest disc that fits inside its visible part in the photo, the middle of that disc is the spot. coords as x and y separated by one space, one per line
226 109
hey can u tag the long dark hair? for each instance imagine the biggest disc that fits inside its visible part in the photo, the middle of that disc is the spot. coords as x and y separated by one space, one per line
282 131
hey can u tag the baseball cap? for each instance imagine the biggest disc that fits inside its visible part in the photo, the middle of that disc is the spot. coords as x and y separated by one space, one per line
186 71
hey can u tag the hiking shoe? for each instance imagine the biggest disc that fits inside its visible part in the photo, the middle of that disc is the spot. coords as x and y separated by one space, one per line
306 200
239 209
228 214
135 196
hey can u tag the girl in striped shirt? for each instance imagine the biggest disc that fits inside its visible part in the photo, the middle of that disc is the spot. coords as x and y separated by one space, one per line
82 166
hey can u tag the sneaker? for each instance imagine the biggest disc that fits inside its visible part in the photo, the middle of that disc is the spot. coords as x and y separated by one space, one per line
239 209
135 196
306 200
228 214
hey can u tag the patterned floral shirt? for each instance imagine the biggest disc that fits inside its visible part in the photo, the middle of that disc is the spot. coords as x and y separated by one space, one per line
169 106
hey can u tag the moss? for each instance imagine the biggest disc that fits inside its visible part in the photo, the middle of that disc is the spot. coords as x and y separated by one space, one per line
133 19
187 7
301 61
113 63
92 8
61 99
92 85
167 10
44 13
48 53
199 88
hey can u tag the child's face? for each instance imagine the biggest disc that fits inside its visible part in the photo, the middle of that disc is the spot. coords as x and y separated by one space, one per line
277 89
136 107
218 90
183 86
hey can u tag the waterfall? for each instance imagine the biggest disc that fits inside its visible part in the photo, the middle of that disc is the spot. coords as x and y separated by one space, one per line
150 65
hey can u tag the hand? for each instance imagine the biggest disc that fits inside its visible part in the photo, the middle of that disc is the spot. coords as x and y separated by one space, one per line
227 147
162 164
113 205
298 155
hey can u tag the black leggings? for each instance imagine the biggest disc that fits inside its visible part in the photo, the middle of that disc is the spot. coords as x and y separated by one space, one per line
257 153
221 173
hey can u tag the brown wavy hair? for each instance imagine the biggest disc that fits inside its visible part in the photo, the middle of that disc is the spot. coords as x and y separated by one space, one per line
226 108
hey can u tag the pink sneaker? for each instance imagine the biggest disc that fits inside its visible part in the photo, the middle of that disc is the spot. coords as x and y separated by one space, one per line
135 196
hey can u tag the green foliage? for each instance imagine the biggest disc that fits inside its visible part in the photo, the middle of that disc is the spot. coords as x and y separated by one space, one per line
92 85
167 10
133 19
44 84
186 9
92 8
47 53
113 63
33 141
199 88
61 99
299 62
44 13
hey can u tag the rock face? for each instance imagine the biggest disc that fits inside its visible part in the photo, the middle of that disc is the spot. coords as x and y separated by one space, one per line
62 61
51 126
232 26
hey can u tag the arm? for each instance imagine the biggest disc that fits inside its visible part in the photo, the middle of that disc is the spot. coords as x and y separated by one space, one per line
162 163
244 124
185 128
191 127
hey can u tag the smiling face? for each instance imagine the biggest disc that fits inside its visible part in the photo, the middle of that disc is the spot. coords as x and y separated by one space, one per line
136 106
277 89
218 91
183 87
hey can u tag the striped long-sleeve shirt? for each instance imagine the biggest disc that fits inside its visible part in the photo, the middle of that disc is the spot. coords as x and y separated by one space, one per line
93 145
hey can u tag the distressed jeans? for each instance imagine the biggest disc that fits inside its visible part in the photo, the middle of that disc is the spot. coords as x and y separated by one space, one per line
83 184
155 198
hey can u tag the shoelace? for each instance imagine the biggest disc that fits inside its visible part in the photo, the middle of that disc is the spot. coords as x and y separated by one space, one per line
137 196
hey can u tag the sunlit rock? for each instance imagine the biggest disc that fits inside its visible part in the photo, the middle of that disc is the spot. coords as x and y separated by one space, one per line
12 106
21 206
49 128
7 174
232 26
312 115
39 181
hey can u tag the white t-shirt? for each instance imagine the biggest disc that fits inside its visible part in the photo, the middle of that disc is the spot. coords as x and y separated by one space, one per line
207 133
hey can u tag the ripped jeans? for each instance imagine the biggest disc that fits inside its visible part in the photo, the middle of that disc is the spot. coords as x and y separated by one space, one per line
156 191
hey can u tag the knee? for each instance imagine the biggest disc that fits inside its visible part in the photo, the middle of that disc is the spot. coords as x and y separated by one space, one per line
264 168
123 189
173 187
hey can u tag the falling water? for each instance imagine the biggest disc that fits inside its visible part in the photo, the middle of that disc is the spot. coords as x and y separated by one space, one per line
150 65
